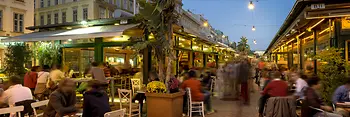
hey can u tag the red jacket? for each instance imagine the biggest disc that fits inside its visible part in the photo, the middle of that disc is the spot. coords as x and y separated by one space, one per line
195 86
276 88
30 79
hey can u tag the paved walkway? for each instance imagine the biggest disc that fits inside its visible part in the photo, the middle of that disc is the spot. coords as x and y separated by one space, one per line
236 108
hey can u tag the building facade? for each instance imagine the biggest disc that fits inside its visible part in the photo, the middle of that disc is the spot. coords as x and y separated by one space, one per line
49 12
311 27
15 15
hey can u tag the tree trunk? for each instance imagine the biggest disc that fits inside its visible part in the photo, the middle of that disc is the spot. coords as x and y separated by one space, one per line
171 54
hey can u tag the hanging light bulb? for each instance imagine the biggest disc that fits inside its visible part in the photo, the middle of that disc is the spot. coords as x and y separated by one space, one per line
253 29
251 5
254 41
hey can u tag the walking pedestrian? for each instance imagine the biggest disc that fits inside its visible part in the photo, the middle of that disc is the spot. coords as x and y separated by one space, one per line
244 75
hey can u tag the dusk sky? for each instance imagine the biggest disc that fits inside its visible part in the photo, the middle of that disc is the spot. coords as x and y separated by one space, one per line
230 16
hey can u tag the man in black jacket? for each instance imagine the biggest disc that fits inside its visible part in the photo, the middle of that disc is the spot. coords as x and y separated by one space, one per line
95 100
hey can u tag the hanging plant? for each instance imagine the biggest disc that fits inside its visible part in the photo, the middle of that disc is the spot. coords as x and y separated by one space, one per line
17 55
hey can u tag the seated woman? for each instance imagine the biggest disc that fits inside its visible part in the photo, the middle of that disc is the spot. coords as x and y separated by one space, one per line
312 100
275 88
95 100
62 101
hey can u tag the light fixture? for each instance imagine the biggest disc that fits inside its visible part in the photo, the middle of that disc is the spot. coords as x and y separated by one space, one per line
251 5
69 28
223 36
69 39
253 29
254 42
117 24
205 24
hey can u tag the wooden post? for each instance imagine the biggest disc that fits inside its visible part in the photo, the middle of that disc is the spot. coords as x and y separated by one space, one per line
98 51
315 49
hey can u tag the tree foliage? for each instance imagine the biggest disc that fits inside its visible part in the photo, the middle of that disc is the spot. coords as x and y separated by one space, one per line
332 71
243 45
157 18
47 53
17 55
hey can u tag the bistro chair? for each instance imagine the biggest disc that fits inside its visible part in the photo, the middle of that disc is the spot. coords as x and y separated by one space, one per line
39 104
194 106
12 110
135 85
116 113
125 98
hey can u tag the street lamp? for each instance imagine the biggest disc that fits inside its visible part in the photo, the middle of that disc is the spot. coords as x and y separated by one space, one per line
251 5
253 29
254 41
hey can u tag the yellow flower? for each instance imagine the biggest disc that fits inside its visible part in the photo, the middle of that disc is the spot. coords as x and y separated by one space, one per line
156 87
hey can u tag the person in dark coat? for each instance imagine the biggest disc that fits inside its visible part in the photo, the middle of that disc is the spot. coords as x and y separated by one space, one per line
62 101
95 100
243 76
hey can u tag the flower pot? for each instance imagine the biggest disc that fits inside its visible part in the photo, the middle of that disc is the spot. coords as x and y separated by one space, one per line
164 104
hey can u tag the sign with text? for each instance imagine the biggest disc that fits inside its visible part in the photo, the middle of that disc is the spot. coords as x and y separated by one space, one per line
318 6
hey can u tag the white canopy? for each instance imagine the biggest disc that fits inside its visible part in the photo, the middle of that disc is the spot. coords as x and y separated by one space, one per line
80 33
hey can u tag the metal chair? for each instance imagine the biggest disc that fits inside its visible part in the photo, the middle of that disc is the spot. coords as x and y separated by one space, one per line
125 98
116 113
194 106
39 104
11 110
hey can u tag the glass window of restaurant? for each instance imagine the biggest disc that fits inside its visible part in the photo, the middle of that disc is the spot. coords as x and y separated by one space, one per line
78 59
184 43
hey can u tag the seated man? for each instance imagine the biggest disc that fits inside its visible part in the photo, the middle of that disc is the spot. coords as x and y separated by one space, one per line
196 90
16 92
275 88
62 101
340 96
300 85
312 100
96 102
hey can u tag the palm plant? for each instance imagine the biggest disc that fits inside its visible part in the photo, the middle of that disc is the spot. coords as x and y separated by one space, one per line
157 18
243 46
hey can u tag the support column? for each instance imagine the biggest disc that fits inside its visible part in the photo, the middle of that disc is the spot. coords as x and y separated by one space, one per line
337 29
315 49
147 60
216 60
98 50
301 54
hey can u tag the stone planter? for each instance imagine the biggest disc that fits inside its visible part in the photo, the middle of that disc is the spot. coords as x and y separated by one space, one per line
164 105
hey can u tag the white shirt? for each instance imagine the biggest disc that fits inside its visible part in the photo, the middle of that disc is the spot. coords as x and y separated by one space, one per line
43 77
16 93
299 85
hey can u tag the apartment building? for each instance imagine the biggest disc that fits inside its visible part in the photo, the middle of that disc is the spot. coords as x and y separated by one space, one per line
49 12
15 15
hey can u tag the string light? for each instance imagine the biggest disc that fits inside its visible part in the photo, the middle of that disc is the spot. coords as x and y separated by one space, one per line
253 29
251 5
254 42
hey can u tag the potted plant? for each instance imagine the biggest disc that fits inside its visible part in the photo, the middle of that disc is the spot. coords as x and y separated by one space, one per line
163 104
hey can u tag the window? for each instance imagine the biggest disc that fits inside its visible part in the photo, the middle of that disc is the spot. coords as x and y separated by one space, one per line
42 20
110 14
48 3
56 18
56 2
102 12
18 22
64 17
0 19
131 4
48 18
75 15
85 13
41 3
125 4
119 3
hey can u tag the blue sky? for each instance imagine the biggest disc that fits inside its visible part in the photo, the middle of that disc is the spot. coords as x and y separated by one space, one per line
230 16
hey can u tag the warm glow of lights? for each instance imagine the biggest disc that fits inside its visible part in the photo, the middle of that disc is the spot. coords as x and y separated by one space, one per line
69 39
251 5
253 29
325 30
121 38
205 24
290 41
69 28
309 29
301 34
117 24
84 23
